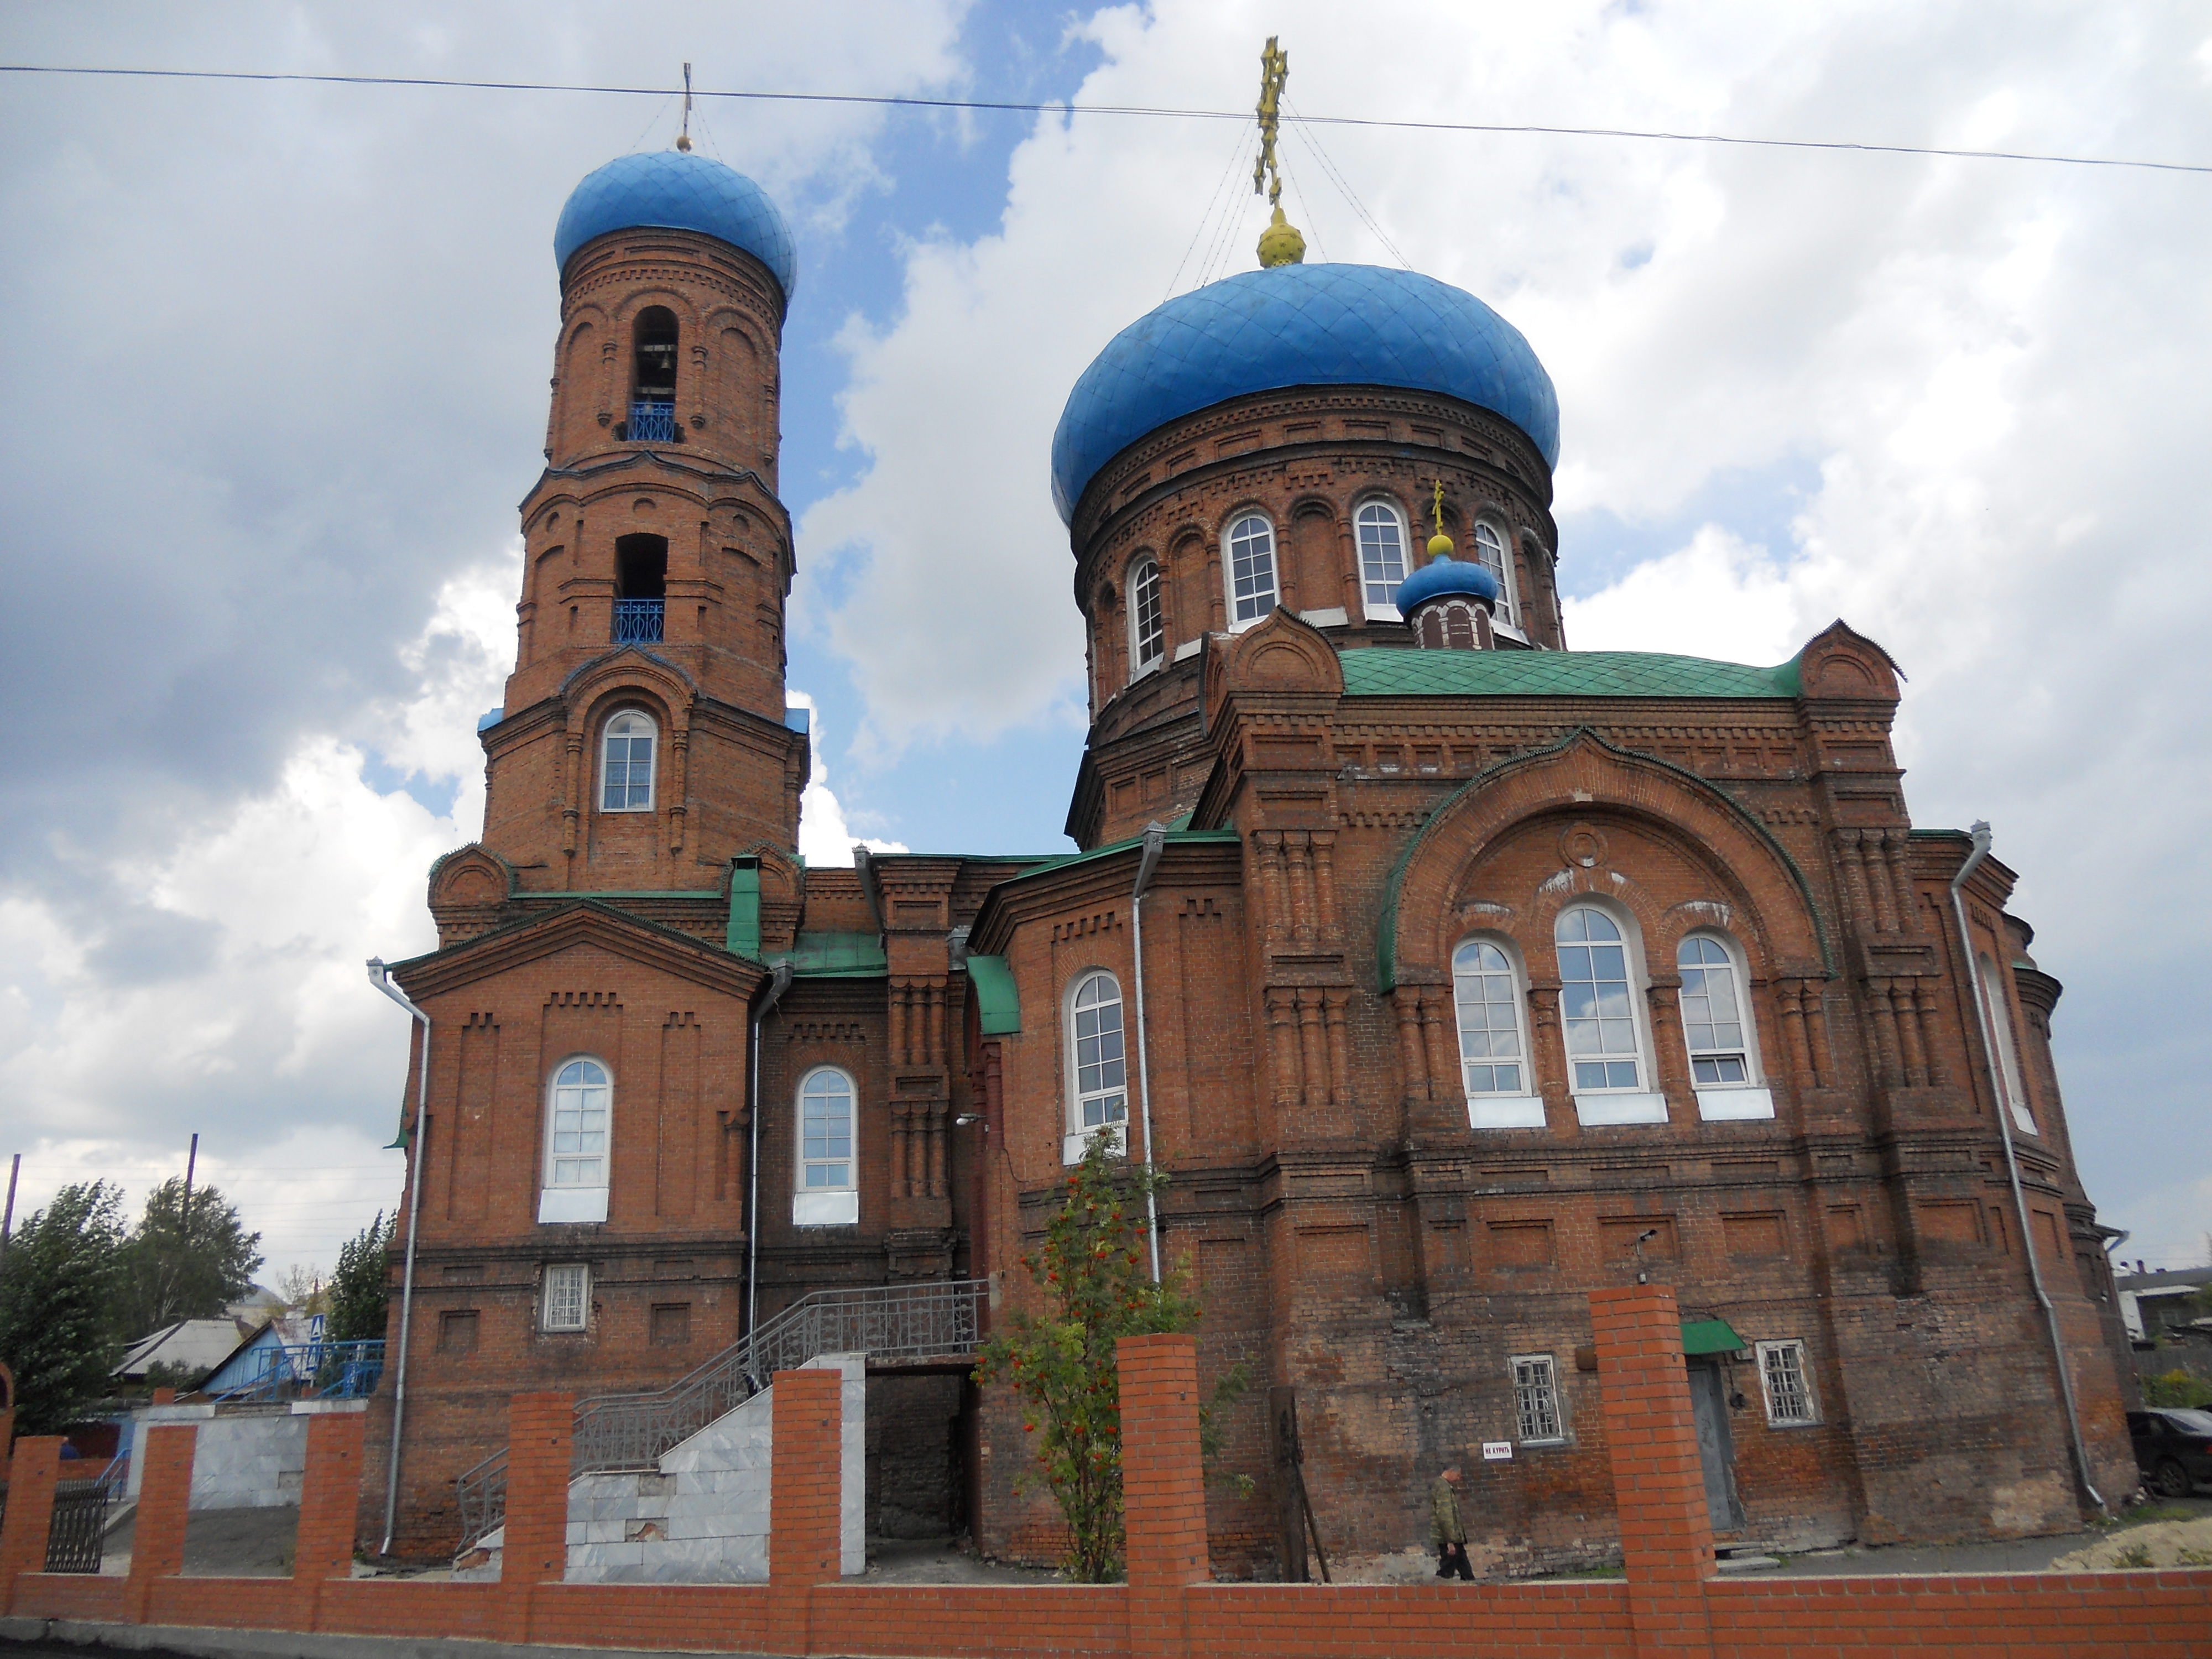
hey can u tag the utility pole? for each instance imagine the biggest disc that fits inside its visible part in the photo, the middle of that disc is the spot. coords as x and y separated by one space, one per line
8 1221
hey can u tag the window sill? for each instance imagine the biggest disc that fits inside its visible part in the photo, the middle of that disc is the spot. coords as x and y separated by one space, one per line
1383 613
1795 1423
1597 1110
830 1209
1328 616
1505 1112
571 1204
1735 1105
1072 1145
623 811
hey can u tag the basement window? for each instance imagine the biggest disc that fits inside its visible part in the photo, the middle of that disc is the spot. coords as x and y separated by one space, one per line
1536 1399
1789 1387
567 1296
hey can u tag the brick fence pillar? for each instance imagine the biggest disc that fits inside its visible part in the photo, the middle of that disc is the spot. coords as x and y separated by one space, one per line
32 1474
330 1499
1162 1489
165 1502
539 1429
806 1482
1658 1482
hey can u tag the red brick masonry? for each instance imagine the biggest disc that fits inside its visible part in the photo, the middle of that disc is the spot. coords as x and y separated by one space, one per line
1668 1605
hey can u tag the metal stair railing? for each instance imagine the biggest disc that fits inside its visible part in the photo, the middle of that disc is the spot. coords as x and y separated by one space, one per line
891 1323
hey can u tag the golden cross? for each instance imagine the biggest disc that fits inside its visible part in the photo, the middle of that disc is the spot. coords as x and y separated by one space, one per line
1437 507
1274 70
683 139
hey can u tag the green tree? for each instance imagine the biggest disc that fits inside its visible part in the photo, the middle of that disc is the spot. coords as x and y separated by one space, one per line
1092 1269
178 1266
357 1290
56 1301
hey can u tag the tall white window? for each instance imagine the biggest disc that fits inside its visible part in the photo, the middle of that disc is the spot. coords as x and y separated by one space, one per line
1597 1004
567 1296
1490 553
1100 1099
1381 555
1251 569
1148 627
580 1105
1713 1024
827 1193
1536 1398
626 765
1487 993
1789 1387
1995 1000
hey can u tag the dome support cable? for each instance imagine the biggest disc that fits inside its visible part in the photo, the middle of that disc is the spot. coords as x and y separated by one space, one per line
1335 176
1236 154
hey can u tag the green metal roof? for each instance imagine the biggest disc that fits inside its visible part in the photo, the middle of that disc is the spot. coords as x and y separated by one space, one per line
997 1004
1175 838
1388 673
1711 1336
836 955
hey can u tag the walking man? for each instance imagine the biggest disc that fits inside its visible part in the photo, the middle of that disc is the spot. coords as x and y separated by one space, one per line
1446 1530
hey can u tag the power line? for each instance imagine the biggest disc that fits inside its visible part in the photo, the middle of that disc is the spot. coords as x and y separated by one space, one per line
886 101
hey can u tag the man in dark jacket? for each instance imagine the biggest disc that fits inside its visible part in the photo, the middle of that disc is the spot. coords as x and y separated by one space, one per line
1447 1532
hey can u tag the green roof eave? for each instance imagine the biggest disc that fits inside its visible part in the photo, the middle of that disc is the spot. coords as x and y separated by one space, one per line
1175 838
1374 673
998 1001
835 955
1711 1336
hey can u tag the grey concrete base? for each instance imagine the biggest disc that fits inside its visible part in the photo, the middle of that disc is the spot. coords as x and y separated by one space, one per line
50 1634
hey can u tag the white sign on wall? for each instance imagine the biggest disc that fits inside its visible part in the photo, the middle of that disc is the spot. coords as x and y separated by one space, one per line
1495 1451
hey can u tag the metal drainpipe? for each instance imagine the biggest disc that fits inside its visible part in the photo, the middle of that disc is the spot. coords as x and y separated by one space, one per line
1156 836
778 982
1981 834
381 977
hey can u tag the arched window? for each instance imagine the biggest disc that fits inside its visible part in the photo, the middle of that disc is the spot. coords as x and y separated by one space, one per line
1382 555
580 1103
1994 997
1493 1047
1718 1031
827 1195
626 765
1607 1066
1490 553
653 377
1148 641
1251 570
1099 1100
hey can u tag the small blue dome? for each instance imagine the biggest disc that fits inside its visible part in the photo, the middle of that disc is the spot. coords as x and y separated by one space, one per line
674 190
1440 576
1297 325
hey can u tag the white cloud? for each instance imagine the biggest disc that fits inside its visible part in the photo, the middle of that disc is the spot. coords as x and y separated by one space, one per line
1718 597
825 837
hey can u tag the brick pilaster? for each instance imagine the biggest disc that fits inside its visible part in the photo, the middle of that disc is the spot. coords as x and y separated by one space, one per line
330 1500
1658 1483
1162 1489
165 1502
32 1474
535 1552
805 1497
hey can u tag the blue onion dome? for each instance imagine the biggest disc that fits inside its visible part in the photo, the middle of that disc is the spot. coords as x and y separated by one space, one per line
677 190
1444 575
1294 325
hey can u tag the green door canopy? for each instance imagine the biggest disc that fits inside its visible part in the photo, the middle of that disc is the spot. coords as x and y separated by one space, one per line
997 1004
1710 1336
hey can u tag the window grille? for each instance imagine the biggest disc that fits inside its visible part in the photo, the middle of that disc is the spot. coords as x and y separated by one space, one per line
1712 1014
1537 1397
1101 1071
1251 569
567 1296
825 1120
1146 625
1788 1395
1381 554
1596 1002
1488 997
581 1099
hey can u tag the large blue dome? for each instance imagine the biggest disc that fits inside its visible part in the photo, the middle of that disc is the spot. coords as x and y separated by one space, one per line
674 190
1297 325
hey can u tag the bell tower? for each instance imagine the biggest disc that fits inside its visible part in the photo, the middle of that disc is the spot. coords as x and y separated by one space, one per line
644 740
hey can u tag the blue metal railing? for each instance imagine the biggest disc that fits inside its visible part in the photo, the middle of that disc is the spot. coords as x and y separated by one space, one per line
652 423
327 1370
637 622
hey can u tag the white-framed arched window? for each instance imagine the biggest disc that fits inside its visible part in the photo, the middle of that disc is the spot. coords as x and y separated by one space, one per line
1249 569
579 1117
825 1192
1718 1031
1097 1059
2015 1087
626 757
1381 532
1608 1059
1488 1004
1490 553
1148 634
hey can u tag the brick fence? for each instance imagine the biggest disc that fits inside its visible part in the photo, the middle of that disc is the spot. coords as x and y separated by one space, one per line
1668 1605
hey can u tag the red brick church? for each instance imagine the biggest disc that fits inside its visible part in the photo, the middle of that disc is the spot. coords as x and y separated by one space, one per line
1450 972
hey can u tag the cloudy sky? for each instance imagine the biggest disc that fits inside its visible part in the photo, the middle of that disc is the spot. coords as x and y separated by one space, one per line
277 371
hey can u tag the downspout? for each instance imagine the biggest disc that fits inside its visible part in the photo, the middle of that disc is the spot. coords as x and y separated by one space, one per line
381 976
778 982
1981 834
1156 836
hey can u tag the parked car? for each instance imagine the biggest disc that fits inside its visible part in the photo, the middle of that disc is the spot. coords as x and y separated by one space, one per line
2173 1448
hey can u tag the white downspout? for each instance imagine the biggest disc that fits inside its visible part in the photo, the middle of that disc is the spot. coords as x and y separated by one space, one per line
381 977
1156 836
2005 1109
